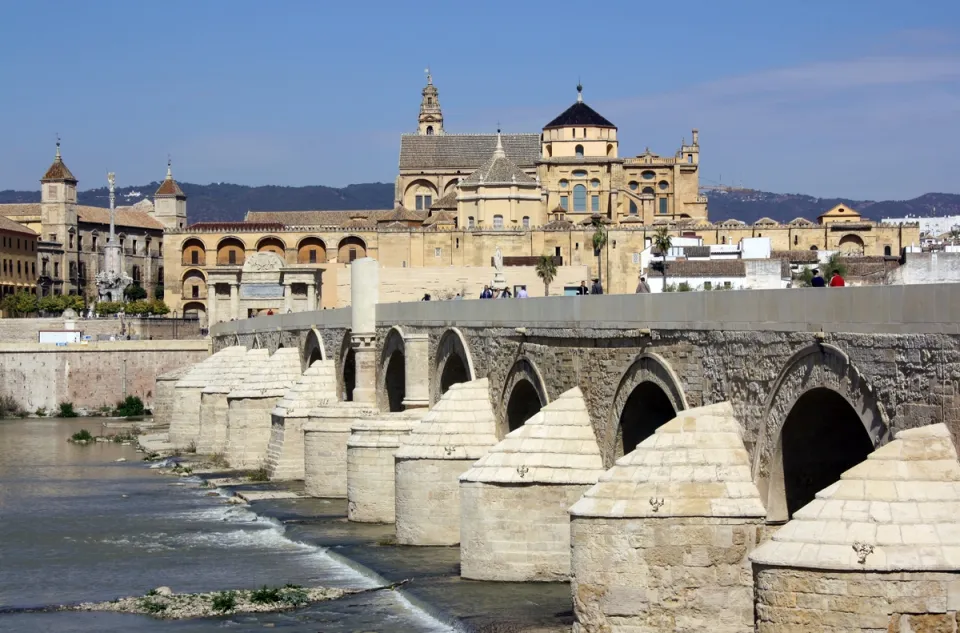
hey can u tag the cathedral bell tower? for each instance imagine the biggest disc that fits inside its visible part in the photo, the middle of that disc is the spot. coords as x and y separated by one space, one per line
431 118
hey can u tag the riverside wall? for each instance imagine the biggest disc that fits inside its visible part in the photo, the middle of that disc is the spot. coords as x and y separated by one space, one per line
91 375
27 330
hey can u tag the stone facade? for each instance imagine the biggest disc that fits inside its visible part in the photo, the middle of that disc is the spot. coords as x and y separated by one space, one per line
164 394
18 258
325 437
371 469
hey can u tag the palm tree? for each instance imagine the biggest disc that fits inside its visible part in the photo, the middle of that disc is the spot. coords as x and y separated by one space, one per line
599 241
546 270
662 242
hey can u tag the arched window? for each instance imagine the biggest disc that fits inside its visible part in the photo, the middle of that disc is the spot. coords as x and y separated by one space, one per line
595 183
564 184
429 130
887 250
470 222
634 185
578 150
664 185
498 221
526 223
796 239
579 199
633 208
647 190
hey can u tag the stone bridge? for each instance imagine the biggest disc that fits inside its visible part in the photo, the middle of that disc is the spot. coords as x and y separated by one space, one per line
818 378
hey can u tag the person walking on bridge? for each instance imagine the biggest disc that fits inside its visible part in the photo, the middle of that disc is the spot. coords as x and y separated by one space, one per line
596 288
836 280
817 281
643 288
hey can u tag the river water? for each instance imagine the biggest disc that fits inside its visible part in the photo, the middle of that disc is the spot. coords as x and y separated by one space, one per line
77 525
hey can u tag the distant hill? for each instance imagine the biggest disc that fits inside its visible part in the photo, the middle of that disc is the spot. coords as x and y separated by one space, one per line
226 202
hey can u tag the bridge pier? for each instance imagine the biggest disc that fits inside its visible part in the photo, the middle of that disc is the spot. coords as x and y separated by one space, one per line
250 404
416 350
212 437
163 398
285 452
456 432
515 500
661 542
325 437
185 419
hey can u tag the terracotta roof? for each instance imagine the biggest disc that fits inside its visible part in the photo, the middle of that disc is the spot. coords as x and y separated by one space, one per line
316 217
228 226
7 224
557 225
579 114
800 222
441 217
766 222
696 251
402 214
169 187
632 219
446 203
123 217
58 171
20 209
465 151
798 257
710 268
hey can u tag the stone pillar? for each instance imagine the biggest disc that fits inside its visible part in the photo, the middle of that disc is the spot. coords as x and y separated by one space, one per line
234 300
287 297
311 296
364 292
211 304
416 349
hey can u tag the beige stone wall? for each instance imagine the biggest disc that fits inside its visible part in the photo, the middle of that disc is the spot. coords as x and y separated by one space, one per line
285 449
325 453
674 574
163 400
795 600
371 476
428 500
248 431
91 375
212 437
185 420
516 533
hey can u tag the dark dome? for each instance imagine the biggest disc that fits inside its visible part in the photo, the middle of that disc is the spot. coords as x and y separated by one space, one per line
579 115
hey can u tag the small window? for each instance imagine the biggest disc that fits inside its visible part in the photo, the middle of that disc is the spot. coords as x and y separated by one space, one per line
574 130
429 100
70 240
580 173
556 251
427 201
526 221
578 150
195 292
723 240
648 175
664 185
437 252
690 158
564 184
647 190
353 254
595 183
56 270
595 204
663 206
134 247
887 250
498 221
708 285
634 185
33 268
458 242
576 246
584 132
633 208
470 222
52 191
232 257
79 242
429 130
727 284
313 256
796 239
563 203
195 257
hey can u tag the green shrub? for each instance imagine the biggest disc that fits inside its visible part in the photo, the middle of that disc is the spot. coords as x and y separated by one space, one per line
260 474
224 601
66 410
159 308
684 287
158 293
152 606
265 595
139 307
131 405
133 292
294 595
19 304
9 407
41 412
105 308
83 435
219 460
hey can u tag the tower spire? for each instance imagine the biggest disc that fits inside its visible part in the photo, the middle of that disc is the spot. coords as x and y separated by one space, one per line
58 147
169 168
579 92
430 121
498 152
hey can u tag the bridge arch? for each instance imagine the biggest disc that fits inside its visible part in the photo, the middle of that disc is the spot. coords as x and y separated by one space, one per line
648 395
453 362
392 375
347 374
524 394
312 349
821 418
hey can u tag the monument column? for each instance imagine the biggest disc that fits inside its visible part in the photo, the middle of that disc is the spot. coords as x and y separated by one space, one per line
287 296
416 352
311 296
364 293
211 304
234 300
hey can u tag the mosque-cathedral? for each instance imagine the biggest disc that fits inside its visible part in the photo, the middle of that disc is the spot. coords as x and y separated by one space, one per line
458 197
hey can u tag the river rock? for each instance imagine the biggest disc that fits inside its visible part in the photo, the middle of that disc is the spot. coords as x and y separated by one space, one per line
163 591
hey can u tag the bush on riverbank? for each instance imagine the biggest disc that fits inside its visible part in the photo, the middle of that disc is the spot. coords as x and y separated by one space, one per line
10 408
82 436
66 410
130 406
224 601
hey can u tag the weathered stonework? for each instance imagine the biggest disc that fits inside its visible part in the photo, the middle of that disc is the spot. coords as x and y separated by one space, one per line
163 399
660 543
543 467
457 431
325 437
371 472
185 419
316 388
212 437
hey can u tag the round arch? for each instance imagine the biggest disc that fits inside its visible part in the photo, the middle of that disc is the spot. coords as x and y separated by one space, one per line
193 285
851 243
193 272
272 244
347 374
231 251
419 187
351 248
193 252
392 376
523 395
818 368
453 362
648 391
313 350
195 309
311 250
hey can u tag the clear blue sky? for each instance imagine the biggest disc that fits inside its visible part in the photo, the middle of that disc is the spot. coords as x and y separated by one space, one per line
859 98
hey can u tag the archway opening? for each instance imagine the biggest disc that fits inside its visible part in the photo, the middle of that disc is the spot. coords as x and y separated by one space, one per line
349 376
524 403
314 356
821 438
454 371
647 409
395 381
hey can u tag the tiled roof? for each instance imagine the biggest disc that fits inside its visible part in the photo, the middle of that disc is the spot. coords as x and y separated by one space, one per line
402 214
230 226
169 187
708 268
580 115
499 170
20 209
465 151
696 251
7 224
896 511
800 222
695 465
558 225
441 217
446 203
766 222
58 171
316 217
555 446
797 257
123 217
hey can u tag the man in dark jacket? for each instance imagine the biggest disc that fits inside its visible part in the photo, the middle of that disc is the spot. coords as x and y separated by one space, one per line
817 281
583 290
596 288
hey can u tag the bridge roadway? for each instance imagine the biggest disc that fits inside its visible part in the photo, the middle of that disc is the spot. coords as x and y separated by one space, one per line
817 377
